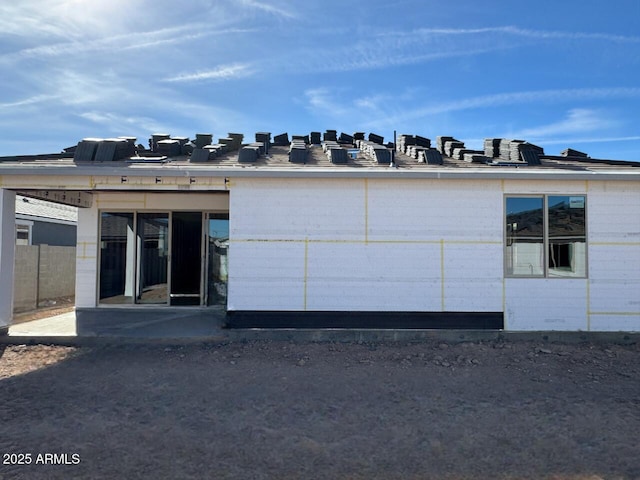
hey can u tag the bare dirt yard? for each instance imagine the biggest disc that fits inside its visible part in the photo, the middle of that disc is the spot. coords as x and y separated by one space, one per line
262 410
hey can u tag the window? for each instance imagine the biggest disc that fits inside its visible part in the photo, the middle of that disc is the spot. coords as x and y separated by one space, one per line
545 236
23 232
22 237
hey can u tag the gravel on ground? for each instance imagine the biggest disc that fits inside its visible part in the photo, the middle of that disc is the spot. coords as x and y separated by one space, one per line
263 410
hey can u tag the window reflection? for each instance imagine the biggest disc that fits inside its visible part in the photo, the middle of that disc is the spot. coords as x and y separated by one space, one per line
117 248
218 246
567 236
153 254
525 236
546 236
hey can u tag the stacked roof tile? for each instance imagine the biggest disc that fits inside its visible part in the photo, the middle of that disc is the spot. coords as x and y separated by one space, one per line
379 153
281 140
357 149
298 151
570 152
430 156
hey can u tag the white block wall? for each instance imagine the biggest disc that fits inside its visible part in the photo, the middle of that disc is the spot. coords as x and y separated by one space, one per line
426 245
365 245
614 256
609 300
546 304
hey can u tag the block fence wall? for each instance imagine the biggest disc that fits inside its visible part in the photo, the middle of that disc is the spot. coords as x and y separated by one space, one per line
42 273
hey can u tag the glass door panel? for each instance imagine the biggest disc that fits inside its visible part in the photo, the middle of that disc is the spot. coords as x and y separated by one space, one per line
217 265
153 256
117 248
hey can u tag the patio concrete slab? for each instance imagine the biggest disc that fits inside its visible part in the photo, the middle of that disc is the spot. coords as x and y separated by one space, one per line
63 325
189 325
151 323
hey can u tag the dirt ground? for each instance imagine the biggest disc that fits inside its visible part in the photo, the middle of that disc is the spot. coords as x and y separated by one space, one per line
262 410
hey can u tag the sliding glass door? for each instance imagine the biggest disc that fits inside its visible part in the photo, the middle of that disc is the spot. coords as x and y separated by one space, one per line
163 258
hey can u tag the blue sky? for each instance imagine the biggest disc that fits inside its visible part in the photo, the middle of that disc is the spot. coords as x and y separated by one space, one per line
556 73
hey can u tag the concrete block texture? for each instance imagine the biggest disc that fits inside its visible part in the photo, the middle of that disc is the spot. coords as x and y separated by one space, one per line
57 276
25 294
42 273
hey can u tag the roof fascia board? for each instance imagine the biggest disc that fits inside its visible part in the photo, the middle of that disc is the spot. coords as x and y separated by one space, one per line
306 172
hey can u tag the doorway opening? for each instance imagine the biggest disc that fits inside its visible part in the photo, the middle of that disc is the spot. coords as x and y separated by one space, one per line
186 258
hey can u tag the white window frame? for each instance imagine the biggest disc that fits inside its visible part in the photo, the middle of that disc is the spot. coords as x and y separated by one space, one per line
20 226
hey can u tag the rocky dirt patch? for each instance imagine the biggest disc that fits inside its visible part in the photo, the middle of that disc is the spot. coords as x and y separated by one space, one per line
260 410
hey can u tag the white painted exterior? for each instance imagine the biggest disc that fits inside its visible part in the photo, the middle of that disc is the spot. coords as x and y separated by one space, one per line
7 254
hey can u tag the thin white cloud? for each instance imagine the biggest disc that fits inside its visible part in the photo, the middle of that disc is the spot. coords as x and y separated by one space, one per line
64 19
371 59
269 8
371 103
320 101
29 101
198 118
122 124
379 101
574 140
412 47
19 18
512 98
578 120
395 48
70 90
183 38
545 34
222 72
407 47
80 89
116 43
422 33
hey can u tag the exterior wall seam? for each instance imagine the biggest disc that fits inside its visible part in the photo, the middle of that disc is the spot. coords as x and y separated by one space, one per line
623 314
442 291
306 272
588 305
366 210
365 242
